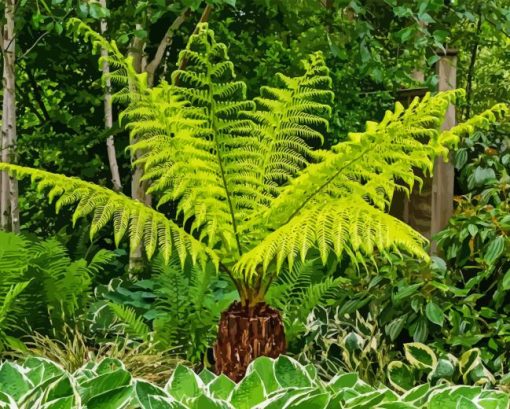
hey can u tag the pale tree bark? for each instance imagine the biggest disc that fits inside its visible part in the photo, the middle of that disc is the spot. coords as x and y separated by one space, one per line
9 200
140 64
138 187
108 114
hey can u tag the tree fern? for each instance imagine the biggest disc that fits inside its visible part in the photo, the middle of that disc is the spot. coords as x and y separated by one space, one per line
251 193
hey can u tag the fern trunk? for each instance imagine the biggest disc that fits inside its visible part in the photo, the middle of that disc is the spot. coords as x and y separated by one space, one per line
246 333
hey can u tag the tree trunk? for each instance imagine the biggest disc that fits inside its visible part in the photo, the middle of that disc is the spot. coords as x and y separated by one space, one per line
138 187
108 114
9 195
245 333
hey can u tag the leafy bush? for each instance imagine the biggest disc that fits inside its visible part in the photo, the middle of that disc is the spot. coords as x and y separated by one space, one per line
280 383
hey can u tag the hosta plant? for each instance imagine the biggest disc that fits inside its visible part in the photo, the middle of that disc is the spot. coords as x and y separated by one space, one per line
280 383
423 364
238 184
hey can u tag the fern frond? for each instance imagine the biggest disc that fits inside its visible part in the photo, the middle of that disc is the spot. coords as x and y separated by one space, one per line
373 164
290 118
338 227
8 302
132 323
146 226
452 136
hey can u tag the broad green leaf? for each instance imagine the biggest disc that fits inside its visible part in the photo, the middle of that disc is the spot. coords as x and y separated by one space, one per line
265 367
494 249
421 330
144 390
290 373
184 383
221 387
468 362
104 383
108 365
207 376
434 313
420 356
41 369
13 381
443 370
416 394
400 376
115 398
344 381
249 392
505 283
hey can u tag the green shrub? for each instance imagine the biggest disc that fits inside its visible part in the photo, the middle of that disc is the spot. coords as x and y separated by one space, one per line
280 383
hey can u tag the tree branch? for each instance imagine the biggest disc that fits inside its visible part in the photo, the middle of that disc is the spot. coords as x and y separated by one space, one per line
164 44
203 19
37 94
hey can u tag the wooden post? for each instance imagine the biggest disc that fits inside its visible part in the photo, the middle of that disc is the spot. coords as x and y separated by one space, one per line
444 173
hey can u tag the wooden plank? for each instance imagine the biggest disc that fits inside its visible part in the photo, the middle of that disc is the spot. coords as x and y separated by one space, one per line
444 173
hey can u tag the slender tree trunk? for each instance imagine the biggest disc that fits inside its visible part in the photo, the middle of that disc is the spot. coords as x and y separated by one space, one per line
138 187
471 69
108 114
9 199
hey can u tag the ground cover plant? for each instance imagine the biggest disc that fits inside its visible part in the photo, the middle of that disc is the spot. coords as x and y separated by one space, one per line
280 383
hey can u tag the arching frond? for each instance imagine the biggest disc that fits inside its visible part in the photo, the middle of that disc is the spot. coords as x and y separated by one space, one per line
339 227
146 226
291 119
373 164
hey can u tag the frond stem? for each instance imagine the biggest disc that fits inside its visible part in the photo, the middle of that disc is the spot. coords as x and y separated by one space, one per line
325 184
220 162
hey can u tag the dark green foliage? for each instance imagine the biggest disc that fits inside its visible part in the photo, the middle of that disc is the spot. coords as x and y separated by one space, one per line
57 288
177 309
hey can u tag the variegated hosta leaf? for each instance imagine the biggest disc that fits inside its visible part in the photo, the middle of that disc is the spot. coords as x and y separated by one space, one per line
269 383
145 225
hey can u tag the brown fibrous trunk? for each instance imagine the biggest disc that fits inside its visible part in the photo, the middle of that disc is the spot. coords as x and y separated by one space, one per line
245 333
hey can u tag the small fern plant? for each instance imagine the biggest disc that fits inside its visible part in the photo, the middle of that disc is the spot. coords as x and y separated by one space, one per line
237 182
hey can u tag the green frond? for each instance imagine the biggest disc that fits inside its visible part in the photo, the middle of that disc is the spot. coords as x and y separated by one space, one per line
133 324
146 226
348 227
290 118
8 302
371 163
481 121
